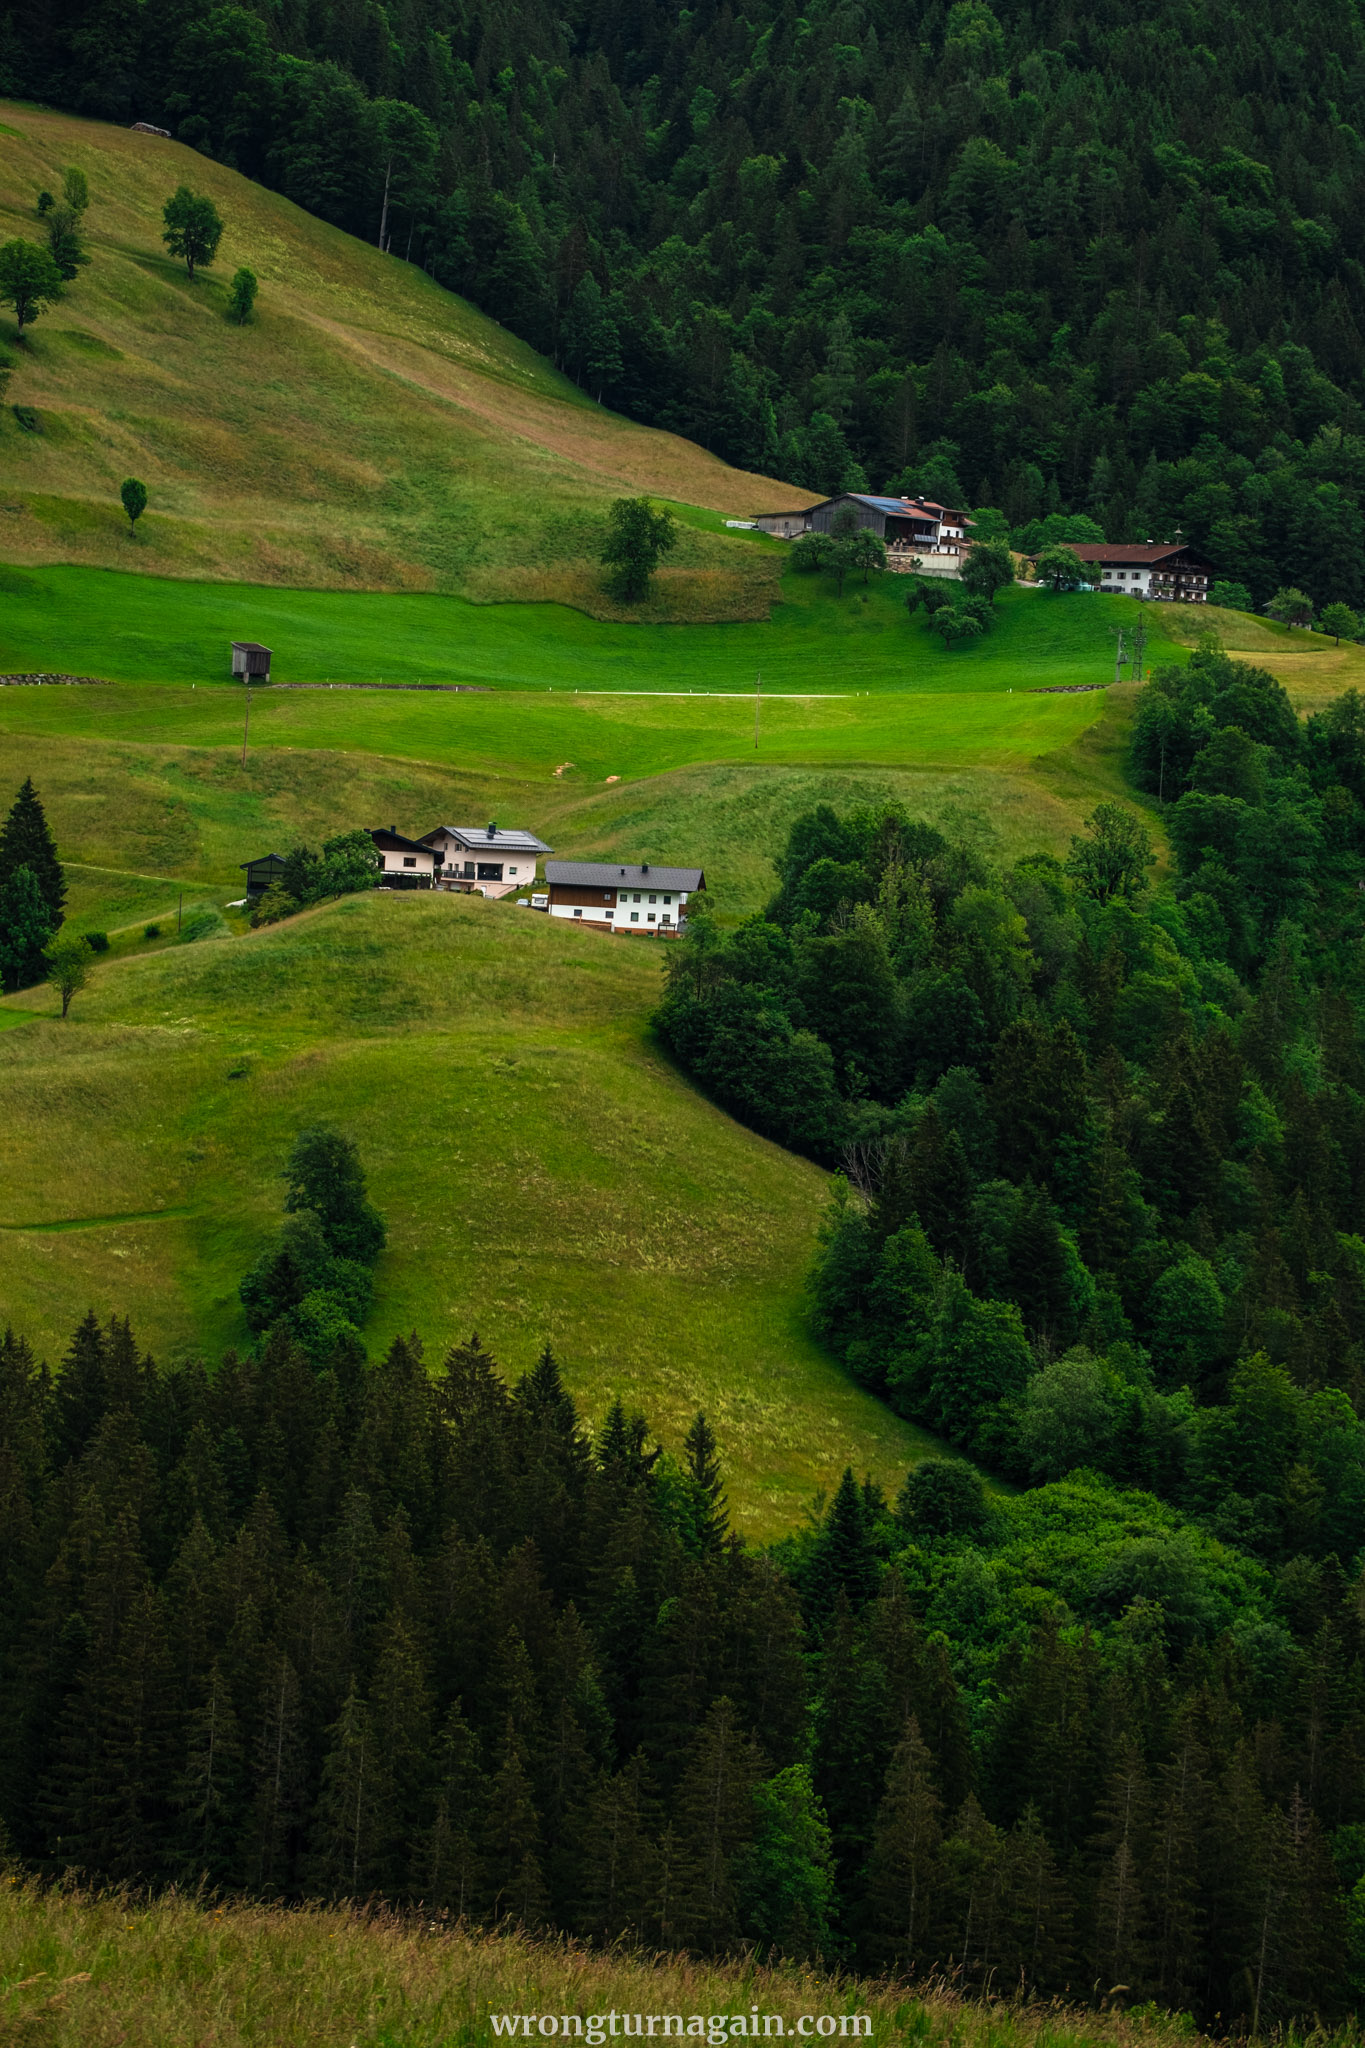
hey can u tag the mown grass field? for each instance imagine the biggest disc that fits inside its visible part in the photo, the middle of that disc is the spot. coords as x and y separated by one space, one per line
82 1971
545 1173
147 629
366 430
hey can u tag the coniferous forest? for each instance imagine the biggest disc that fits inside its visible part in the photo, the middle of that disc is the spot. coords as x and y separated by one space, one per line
1104 265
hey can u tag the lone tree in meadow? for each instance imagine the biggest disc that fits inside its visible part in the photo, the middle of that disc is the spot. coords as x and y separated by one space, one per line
193 227
29 280
637 536
75 188
242 295
69 961
26 842
1340 621
955 622
134 495
26 926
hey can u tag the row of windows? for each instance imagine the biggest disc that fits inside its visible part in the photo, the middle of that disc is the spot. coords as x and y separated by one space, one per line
622 897
650 916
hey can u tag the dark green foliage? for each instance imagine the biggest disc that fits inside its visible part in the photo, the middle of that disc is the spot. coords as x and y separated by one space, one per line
65 243
26 925
98 942
637 537
242 295
681 210
324 1175
26 841
29 281
193 228
133 494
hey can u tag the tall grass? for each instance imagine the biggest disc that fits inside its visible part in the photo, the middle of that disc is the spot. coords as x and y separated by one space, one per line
86 1970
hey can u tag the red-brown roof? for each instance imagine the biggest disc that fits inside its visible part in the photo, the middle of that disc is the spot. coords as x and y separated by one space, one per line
1125 551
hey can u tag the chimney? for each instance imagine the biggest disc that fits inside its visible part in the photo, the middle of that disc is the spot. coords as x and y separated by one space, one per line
644 867
492 831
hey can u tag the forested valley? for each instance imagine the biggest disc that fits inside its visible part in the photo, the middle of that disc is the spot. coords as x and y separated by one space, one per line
1102 265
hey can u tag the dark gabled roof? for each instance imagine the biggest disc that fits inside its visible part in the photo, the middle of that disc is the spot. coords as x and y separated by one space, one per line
504 839
613 874
260 860
385 838
249 647
1129 553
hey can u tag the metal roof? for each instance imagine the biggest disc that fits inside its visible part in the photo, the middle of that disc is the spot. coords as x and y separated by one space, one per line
506 839
612 874
259 858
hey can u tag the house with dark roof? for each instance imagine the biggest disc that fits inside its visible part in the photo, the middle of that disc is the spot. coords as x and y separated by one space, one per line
484 860
910 527
640 900
1165 570
261 872
404 863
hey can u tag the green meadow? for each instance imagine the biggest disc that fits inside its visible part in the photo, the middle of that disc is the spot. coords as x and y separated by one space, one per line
93 622
545 1173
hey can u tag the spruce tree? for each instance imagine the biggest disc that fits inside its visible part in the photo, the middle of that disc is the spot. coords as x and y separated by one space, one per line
614 1855
206 1831
904 1875
714 1821
25 929
26 842
446 1865
353 1816
712 1519
843 1559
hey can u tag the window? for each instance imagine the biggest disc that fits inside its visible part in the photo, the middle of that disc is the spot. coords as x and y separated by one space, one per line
511 871
667 919
637 895
490 870
668 899
652 918
409 860
635 915
469 870
611 913
578 913
653 899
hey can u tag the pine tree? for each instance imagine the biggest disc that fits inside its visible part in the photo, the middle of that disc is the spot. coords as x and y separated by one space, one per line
613 1854
27 842
713 1820
843 1559
401 1713
278 1777
82 1389
1036 1949
353 1818
904 1875
974 1867
712 1519
446 1863
1121 1855
513 1877
207 1827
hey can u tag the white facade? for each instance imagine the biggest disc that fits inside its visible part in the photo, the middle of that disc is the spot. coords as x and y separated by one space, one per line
1132 582
629 910
485 861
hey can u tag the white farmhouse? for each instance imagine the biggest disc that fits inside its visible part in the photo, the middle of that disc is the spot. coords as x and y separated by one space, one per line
484 860
643 901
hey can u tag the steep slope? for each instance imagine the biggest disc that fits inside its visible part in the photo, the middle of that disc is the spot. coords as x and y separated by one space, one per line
545 1174
365 430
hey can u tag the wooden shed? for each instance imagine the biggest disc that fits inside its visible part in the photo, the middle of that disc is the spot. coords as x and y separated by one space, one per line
261 872
251 660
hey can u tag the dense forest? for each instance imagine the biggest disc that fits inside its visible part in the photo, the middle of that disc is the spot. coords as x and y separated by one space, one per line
350 1628
1103 264
1103 1145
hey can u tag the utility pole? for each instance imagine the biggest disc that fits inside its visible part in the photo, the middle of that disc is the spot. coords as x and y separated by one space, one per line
1119 656
1139 647
179 909
758 700
246 723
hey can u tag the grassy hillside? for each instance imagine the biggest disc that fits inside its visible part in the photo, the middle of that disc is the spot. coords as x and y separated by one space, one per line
366 430
96 1972
544 1172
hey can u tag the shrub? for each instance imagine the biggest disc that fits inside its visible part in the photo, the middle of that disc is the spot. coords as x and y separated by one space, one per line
151 931
27 418
207 923
98 942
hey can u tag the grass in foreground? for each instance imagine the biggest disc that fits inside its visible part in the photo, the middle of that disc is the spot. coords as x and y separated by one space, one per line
83 1971
544 1172
366 430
